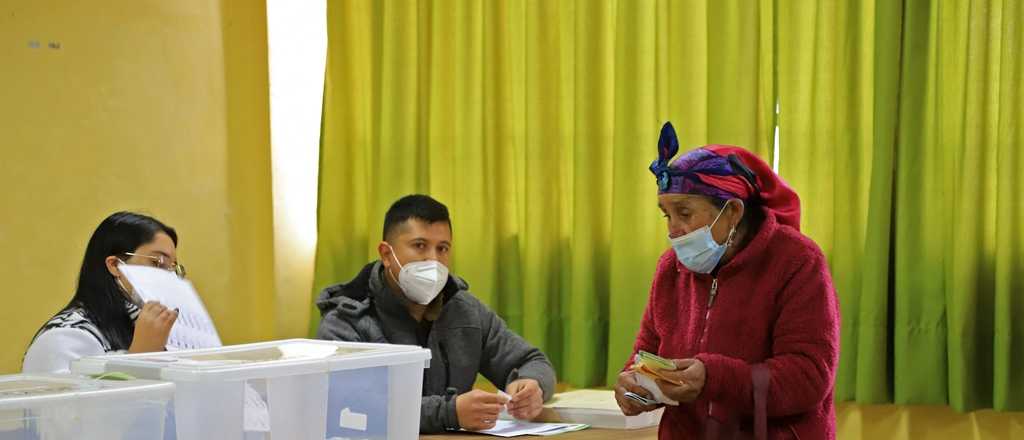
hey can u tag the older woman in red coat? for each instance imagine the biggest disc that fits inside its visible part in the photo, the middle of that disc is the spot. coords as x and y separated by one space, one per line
742 304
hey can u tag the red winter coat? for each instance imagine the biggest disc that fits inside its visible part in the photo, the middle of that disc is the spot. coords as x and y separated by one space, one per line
775 315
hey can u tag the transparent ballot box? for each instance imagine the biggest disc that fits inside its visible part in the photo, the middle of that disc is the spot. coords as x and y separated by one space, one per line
291 389
43 407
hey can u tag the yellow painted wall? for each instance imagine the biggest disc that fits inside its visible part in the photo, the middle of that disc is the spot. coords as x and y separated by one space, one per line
148 105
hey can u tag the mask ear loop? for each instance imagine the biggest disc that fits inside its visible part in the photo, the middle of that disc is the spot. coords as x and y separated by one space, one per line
732 232
132 296
712 225
395 257
400 267
117 279
121 285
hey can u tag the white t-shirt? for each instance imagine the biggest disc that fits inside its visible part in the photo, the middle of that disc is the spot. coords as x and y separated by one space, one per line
67 337
54 349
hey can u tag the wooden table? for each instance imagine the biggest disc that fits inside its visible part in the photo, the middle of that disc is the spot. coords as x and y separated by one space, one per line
586 434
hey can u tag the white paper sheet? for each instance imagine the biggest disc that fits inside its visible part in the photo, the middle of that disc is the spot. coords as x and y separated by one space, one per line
652 386
515 428
257 414
194 328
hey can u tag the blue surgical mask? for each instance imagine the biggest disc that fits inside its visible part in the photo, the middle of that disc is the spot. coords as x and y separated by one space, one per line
698 250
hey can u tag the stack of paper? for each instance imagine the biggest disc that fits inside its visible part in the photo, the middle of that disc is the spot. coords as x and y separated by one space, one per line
596 408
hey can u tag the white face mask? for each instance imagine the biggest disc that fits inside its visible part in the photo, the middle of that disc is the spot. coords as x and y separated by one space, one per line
421 281
698 250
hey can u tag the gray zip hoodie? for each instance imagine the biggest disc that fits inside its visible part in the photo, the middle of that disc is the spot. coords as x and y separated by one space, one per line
465 338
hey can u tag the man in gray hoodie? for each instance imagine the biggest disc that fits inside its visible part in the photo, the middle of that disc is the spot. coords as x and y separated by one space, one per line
408 297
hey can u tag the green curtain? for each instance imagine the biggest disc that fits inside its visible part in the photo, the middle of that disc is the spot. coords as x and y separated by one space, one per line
959 231
838 77
900 127
534 121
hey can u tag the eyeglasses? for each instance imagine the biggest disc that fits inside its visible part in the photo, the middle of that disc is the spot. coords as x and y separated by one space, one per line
164 263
